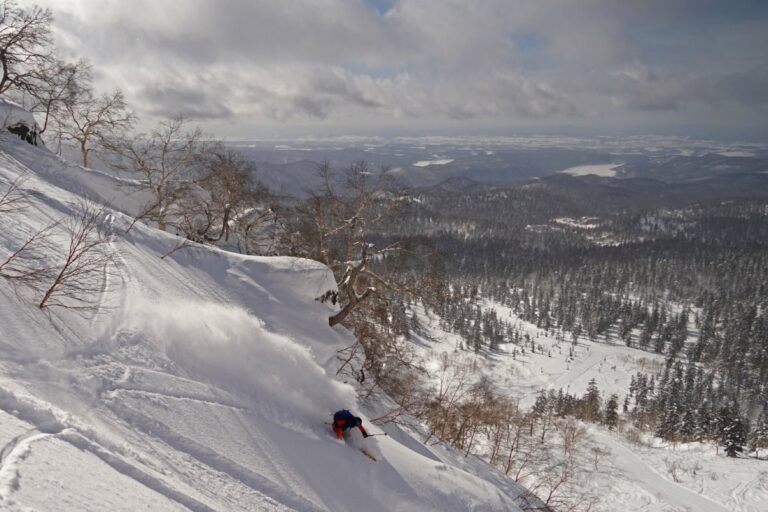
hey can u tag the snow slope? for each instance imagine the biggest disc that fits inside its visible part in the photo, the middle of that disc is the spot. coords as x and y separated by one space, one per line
652 476
201 381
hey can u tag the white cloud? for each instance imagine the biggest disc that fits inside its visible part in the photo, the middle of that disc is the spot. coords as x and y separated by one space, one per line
437 61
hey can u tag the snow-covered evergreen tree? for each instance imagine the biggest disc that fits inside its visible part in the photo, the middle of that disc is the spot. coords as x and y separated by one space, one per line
733 433
592 402
758 435
611 418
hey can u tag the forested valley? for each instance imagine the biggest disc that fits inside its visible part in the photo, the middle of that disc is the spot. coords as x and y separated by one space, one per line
675 276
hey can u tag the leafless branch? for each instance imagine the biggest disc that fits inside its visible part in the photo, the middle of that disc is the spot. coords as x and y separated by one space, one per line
96 122
26 46
184 243
13 199
166 162
80 280
26 265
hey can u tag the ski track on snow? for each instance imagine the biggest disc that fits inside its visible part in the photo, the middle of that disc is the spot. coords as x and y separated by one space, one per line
210 458
18 449
739 492
579 369
133 472
11 457
176 396
667 491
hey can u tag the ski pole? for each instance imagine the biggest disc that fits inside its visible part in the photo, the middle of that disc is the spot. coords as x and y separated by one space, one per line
381 434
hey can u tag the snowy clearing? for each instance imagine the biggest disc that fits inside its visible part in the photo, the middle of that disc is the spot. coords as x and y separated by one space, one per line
425 163
743 154
650 476
607 170
580 223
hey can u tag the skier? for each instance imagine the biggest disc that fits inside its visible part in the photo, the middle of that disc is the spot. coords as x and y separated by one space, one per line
343 420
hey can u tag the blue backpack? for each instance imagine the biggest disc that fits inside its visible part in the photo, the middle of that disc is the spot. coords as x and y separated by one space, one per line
345 415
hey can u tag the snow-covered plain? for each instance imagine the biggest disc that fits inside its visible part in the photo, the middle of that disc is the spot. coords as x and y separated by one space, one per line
426 163
737 153
201 381
606 170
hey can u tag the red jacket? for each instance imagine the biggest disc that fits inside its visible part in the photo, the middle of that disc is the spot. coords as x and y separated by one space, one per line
339 427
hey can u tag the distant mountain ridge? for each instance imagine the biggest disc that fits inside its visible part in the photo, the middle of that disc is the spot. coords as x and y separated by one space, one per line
294 172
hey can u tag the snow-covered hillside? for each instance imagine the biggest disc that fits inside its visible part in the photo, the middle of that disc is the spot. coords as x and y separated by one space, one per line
643 473
200 382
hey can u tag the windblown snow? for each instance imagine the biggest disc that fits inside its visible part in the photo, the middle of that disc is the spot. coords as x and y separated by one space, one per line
201 381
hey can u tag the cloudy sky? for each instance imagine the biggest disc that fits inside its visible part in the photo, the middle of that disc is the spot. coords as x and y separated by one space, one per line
257 68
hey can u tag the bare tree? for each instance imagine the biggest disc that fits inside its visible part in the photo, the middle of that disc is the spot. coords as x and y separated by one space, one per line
554 479
167 161
26 264
13 199
77 283
25 45
571 434
259 229
96 122
227 179
31 72
334 230
58 87
598 454
226 196
453 383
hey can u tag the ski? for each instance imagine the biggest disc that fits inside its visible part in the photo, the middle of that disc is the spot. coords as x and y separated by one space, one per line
368 454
